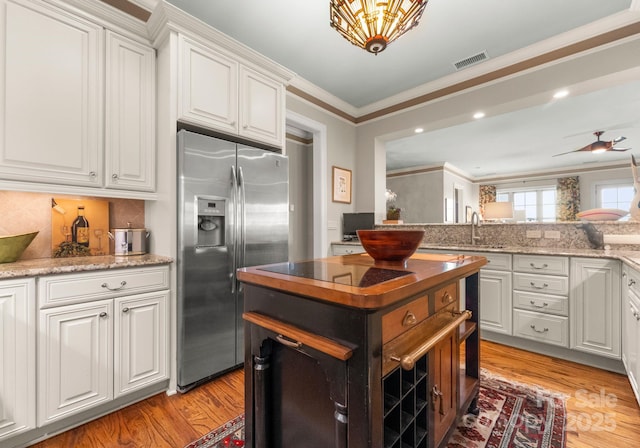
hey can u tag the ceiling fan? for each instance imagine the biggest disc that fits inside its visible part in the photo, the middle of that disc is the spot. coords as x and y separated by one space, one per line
599 145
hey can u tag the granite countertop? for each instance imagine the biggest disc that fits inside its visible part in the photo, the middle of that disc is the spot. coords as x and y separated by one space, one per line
46 266
632 258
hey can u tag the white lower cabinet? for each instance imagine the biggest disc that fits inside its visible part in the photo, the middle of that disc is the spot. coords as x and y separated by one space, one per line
495 293
75 359
495 306
17 357
594 306
141 341
94 351
631 328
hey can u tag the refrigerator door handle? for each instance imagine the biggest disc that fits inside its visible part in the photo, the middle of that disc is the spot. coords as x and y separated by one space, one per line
242 220
233 228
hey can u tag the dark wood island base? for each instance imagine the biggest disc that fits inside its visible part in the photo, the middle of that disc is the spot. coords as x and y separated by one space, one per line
340 352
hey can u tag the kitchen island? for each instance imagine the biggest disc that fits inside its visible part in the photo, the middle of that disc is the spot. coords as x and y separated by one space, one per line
341 352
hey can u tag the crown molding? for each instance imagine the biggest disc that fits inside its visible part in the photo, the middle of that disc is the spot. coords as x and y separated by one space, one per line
105 15
166 17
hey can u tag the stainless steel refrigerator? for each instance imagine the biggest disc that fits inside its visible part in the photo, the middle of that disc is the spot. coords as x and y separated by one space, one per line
233 212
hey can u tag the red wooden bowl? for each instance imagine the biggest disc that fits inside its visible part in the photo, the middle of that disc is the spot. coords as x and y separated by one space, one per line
391 247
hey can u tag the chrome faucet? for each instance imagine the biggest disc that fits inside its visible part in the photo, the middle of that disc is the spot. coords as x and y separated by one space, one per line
475 223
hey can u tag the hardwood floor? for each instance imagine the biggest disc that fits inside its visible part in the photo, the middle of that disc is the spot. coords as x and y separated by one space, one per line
601 408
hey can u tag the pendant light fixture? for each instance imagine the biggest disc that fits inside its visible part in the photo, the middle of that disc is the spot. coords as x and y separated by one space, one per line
374 24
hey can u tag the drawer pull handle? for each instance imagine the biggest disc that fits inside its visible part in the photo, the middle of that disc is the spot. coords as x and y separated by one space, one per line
288 342
533 327
446 297
122 285
544 266
408 361
103 314
631 282
409 319
538 306
544 285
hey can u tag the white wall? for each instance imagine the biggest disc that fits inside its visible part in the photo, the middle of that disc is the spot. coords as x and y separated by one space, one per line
420 196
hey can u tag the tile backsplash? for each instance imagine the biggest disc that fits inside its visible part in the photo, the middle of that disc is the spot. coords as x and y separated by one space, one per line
27 212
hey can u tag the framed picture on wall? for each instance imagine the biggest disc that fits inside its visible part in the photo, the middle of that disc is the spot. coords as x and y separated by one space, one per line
341 185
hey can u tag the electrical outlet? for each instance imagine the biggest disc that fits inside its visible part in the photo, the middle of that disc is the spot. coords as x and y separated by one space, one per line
552 234
332 225
534 234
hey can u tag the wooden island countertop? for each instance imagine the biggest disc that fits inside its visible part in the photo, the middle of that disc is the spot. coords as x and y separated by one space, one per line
355 281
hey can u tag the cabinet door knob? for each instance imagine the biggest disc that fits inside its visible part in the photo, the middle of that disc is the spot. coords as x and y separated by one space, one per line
114 176
92 174
631 282
103 314
125 309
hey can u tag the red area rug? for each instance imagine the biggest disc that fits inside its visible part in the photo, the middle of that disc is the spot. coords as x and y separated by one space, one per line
511 415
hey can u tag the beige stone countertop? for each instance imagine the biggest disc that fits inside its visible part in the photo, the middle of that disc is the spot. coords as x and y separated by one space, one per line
632 258
47 266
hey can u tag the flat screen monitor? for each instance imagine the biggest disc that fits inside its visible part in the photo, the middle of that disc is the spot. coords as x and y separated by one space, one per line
356 221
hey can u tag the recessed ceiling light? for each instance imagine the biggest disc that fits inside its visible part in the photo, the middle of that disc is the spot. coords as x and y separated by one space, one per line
561 94
478 115
418 130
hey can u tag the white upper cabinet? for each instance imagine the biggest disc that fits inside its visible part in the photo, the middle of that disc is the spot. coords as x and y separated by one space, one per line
208 89
130 114
78 104
261 107
52 95
217 92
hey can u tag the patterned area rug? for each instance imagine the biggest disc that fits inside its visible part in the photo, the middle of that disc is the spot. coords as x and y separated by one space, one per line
511 415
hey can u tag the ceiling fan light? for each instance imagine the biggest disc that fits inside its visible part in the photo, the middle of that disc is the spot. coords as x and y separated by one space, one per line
373 25
598 147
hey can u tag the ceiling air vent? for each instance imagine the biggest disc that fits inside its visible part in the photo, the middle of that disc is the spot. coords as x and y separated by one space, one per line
471 60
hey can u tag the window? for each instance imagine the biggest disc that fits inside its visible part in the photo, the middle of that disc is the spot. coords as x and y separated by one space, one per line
537 204
614 196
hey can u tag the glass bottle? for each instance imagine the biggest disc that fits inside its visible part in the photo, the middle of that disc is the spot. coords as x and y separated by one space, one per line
80 228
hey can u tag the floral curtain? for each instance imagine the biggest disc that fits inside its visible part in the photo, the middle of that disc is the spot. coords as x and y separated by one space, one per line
568 198
487 194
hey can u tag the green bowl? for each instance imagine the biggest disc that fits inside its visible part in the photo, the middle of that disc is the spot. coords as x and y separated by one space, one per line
12 246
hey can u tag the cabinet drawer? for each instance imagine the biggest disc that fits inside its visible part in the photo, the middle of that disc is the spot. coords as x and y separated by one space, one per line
346 249
541 264
55 290
445 295
403 318
542 303
497 262
541 327
546 284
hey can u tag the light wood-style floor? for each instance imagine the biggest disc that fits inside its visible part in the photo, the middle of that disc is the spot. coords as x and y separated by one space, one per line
601 408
